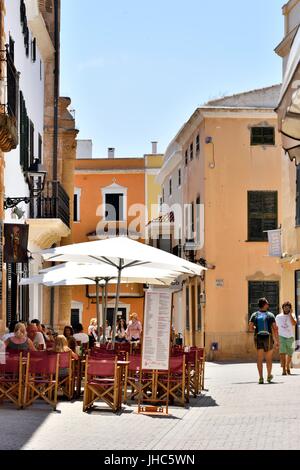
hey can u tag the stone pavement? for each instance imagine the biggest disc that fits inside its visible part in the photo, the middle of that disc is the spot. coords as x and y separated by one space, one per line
235 413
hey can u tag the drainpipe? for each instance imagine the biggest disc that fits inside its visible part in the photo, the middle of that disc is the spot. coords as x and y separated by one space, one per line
55 124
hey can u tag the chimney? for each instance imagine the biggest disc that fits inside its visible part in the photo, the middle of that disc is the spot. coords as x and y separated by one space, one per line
111 153
154 148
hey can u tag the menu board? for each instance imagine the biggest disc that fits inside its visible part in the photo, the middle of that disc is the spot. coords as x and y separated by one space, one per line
157 327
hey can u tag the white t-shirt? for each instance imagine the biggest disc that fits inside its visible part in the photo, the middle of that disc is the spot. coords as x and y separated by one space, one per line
38 340
7 336
285 326
83 337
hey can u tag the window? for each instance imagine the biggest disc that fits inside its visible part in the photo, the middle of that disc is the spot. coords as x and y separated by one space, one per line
24 135
114 204
33 50
198 143
179 177
40 150
11 48
298 197
191 151
187 310
198 216
31 143
186 157
199 308
76 211
259 289
262 214
192 221
263 136
170 187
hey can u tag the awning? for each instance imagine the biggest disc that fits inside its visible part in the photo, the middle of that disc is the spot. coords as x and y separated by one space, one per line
289 104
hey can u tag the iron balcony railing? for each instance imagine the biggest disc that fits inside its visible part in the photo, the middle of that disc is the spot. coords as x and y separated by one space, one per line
54 203
10 88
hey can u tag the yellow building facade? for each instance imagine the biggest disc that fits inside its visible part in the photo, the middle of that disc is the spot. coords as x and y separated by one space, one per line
230 194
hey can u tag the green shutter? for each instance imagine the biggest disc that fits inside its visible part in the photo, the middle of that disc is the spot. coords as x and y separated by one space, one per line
262 214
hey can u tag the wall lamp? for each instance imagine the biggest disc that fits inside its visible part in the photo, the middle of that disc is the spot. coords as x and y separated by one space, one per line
36 178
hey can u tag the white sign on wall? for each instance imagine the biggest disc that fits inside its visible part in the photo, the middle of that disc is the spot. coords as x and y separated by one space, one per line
157 328
275 248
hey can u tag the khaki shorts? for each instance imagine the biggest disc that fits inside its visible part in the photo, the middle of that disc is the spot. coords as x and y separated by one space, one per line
264 342
286 346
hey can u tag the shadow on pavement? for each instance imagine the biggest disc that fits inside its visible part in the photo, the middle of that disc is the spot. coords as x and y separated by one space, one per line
204 401
18 426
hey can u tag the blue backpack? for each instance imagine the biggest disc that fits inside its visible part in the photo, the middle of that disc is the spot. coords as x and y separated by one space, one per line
262 326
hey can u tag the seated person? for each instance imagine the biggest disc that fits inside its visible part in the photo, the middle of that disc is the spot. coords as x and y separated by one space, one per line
121 331
36 337
20 341
69 334
80 336
61 346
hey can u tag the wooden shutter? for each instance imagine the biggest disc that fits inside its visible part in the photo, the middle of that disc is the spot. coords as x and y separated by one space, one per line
187 314
31 142
263 136
199 308
262 214
259 289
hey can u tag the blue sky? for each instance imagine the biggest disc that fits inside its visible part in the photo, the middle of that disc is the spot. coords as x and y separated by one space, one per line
137 69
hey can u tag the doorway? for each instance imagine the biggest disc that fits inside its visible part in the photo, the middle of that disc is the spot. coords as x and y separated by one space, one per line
110 314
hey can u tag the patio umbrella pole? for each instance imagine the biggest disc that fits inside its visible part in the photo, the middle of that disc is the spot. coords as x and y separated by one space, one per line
117 300
98 306
103 317
105 306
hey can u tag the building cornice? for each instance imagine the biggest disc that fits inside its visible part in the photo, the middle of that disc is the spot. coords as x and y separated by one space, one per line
39 29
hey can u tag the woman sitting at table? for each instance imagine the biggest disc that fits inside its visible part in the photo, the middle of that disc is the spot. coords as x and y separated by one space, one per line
69 334
92 332
20 341
121 331
61 346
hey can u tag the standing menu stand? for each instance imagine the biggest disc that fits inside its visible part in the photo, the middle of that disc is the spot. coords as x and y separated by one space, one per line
156 345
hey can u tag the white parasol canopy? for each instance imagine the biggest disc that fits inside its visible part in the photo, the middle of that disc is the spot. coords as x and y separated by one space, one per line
121 253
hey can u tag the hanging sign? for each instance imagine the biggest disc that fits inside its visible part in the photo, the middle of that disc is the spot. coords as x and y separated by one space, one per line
16 243
275 249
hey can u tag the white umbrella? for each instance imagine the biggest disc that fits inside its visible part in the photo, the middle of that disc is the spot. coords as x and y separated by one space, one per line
74 274
121 253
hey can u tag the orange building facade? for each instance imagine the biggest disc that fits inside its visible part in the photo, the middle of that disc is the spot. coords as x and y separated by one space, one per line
111 198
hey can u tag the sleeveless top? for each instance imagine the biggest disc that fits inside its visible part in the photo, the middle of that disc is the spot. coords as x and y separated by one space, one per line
17 347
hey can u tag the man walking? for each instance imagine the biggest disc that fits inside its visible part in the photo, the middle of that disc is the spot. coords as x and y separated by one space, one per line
286 323
263 324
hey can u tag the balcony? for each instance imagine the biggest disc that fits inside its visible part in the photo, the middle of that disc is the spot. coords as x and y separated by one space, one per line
49 216
9 92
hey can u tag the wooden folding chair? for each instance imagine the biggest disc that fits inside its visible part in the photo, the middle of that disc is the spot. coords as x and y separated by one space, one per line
173 386
102 383
192 373
11 378
141 383
41 380
66 375
201 369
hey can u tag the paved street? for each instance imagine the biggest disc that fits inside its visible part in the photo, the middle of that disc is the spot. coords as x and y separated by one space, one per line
235 413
